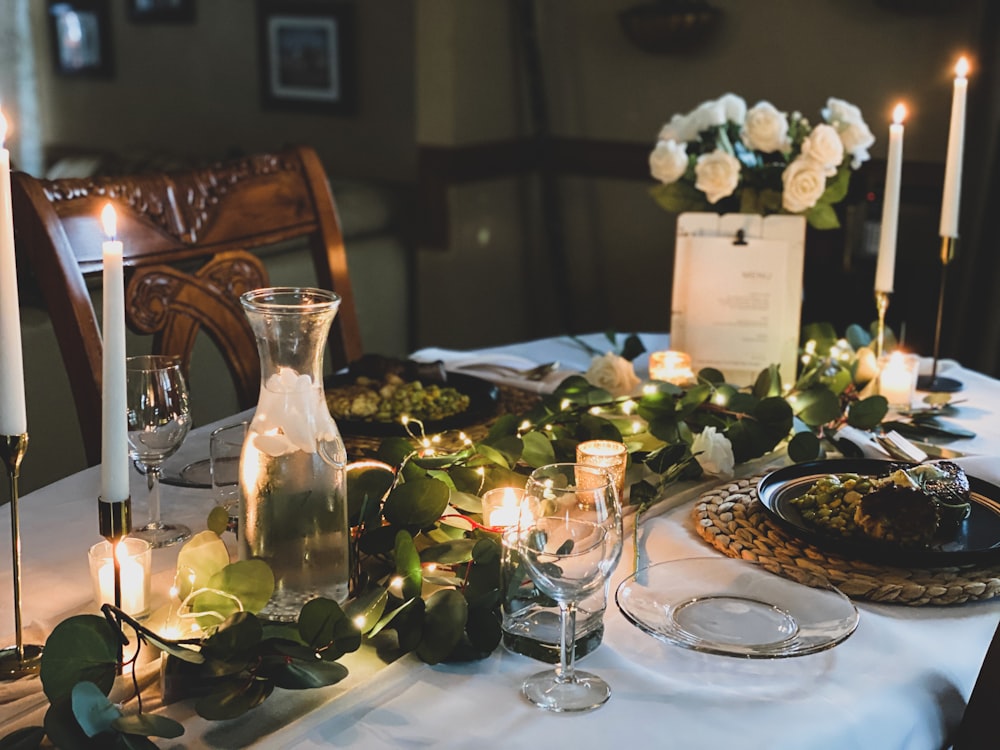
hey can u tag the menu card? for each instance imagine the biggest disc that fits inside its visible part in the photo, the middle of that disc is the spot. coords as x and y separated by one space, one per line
737 293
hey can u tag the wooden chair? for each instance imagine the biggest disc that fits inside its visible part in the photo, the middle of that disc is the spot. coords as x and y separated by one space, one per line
187 238
978 730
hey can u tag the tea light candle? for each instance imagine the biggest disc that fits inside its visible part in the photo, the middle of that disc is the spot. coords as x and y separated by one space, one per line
671 367
134 556
898 379
605 454
502 507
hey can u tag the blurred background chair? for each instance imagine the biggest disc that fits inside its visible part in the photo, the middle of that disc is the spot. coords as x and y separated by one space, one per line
189 239
978 730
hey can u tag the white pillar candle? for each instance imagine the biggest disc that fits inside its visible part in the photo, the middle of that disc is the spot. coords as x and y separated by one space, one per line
13 418
886 267
114 433
956 141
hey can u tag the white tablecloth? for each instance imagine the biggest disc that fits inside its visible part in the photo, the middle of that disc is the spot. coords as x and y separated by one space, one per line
899 682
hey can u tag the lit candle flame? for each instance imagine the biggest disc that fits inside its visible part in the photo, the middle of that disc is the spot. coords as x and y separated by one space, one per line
899 113
961 68
109 220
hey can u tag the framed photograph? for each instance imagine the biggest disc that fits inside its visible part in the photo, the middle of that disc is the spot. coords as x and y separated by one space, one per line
81 37
308 56
161 11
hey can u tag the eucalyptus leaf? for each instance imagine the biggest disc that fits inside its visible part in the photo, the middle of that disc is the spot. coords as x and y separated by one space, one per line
234 639
711 375
367 608
367 485
444 623
394 450
232 698
410 609
149 725
804 446
250 581
505 424
486 551
218 520
26 738
80 648
817 406
452 553
321 621
632 347
868 413
296 674
201 557
408 565
493 455
61 727
538 450
136 742
92 709
466 501
416 503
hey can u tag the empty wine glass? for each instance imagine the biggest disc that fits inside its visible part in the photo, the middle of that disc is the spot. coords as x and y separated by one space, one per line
569 548
158 421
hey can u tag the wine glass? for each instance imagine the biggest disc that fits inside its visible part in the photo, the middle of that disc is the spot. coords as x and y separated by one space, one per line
158 421
569 548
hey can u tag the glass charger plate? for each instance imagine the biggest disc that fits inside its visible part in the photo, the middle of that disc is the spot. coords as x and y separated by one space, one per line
977 540
719 605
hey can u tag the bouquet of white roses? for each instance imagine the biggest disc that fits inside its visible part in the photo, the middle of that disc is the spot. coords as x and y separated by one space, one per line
759 160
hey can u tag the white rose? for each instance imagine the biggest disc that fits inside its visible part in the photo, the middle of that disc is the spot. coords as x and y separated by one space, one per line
678 129
804 182
613 373
668 161
823 145
708 115
734 107
765 129
714 453
850 125
718 174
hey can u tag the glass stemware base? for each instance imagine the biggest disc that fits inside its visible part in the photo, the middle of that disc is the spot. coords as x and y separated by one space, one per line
585 691
162 534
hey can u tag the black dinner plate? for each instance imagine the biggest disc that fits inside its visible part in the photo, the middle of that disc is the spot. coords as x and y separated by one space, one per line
483 398
977 540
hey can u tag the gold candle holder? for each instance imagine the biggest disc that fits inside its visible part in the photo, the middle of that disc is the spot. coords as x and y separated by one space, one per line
934 382
881 306
610 455
20 659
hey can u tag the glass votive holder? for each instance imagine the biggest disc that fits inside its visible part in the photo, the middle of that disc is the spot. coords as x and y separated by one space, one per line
609 455
502 507
671 367
897 379
135 559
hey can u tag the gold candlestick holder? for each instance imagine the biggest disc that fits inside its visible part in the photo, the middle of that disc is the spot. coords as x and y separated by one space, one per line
115 521
19 660
881 306
934 382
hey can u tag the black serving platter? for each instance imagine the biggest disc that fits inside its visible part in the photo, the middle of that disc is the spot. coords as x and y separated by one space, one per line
483 398
977 540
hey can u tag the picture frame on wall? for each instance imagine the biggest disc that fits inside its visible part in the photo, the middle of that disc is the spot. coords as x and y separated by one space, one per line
161 11
308 56
81 37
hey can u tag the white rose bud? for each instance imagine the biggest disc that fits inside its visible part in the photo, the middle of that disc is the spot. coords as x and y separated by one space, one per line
765 129
804 182
678 129
708 115
714 453
613 373
734 107
823 145
668 162
718 174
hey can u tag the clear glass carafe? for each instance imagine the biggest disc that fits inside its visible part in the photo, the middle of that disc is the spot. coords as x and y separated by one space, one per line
293 487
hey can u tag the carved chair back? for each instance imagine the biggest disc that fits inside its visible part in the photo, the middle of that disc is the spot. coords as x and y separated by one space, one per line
187 238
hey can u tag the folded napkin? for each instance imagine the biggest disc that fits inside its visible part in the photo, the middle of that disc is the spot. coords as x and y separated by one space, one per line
466 362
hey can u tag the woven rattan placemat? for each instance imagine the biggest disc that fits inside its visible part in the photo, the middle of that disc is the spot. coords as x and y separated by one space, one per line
510 401
732 519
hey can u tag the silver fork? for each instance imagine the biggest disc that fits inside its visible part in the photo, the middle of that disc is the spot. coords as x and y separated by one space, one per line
538 372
